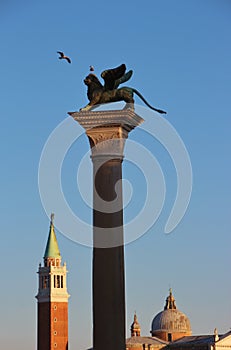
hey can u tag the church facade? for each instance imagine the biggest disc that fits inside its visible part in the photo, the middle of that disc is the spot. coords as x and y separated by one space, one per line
171 330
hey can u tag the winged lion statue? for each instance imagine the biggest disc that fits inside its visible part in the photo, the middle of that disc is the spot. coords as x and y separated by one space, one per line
109 92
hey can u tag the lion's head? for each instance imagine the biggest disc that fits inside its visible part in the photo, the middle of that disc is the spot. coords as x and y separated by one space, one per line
92 79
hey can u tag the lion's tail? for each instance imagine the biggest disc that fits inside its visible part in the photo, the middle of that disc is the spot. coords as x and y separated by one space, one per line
143 99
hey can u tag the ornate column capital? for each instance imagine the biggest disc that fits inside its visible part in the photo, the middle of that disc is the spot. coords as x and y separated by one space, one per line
107 131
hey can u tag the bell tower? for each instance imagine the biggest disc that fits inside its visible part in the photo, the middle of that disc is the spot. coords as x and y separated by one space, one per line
52 318
135 327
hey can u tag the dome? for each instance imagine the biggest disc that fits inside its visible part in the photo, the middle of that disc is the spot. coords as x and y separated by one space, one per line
170 324
171 320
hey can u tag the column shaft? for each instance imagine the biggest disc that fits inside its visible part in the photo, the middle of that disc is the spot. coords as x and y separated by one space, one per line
107 132
108 263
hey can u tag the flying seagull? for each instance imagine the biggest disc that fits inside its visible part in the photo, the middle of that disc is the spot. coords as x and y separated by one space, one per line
63 57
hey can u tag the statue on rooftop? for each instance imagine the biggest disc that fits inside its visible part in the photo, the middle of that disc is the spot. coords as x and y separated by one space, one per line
109 92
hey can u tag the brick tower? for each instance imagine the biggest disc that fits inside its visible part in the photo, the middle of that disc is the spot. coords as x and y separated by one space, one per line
52 298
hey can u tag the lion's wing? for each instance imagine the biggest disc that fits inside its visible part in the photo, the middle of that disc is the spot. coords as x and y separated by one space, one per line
123 79
111 75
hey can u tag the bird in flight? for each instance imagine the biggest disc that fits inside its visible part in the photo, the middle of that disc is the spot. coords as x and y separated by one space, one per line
92 69
63 57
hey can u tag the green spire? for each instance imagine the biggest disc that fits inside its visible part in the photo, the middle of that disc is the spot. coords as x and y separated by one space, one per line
52 248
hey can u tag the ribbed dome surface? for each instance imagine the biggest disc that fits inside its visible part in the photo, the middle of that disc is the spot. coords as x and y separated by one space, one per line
171 320
170 324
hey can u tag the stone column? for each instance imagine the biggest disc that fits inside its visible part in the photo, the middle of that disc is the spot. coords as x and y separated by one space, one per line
107 132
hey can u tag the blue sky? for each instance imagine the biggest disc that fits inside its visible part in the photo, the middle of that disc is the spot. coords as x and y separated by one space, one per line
180 53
